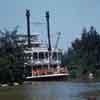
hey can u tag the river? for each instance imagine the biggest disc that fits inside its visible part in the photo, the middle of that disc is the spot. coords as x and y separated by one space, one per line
51 91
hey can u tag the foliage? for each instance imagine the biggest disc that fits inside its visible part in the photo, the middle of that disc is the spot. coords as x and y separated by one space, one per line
85 51
11 57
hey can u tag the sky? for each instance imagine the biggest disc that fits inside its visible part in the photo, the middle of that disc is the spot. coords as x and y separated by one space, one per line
66 16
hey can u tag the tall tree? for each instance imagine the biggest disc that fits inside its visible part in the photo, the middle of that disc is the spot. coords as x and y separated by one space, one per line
11 56
85 51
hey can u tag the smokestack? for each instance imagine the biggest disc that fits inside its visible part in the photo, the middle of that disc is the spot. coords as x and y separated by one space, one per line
28 26
48 30
49 41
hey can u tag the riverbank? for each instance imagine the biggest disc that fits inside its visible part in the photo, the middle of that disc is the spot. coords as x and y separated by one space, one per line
81 79
11 84
78 80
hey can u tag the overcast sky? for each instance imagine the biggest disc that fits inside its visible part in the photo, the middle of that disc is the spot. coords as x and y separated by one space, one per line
66 16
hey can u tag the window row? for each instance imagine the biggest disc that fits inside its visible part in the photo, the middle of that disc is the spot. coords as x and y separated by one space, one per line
43 55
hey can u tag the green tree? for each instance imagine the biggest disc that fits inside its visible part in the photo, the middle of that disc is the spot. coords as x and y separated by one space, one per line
11 56
85 51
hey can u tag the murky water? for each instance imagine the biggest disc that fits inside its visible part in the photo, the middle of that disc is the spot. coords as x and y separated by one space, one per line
51 91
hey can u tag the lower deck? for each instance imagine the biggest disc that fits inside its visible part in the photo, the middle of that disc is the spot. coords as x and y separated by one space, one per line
44 70
51 77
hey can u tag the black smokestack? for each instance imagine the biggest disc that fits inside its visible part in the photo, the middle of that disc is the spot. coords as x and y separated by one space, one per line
28 26
48 30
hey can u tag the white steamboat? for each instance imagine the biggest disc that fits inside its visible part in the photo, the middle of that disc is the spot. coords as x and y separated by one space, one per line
42 63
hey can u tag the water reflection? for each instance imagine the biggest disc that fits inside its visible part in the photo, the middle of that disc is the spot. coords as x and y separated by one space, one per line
51 91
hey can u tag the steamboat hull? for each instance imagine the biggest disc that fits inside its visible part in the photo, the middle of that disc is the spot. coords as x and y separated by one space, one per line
54 77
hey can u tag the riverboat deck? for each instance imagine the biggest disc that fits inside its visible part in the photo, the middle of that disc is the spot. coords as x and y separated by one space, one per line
49 77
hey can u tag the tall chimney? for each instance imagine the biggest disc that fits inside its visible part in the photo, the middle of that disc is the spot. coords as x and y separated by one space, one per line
49 41
28 26
48 31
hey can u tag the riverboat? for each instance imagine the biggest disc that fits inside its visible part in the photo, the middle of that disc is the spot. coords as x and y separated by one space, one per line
42 62
37 65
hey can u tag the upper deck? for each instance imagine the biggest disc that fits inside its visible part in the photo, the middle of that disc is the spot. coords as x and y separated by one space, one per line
40 56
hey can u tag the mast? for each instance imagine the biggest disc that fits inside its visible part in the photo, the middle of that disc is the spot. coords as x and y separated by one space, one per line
49 40
28 26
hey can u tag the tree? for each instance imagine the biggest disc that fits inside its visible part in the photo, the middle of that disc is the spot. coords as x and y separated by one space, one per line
11 56
85 51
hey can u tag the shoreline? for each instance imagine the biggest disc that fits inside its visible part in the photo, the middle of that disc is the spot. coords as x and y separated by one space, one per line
72 80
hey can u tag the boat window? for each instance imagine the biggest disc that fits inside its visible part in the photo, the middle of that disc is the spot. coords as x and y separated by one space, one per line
41 55
46 54
54 56
35 56
59 55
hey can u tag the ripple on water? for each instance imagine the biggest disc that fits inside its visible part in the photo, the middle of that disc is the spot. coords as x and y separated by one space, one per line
50 91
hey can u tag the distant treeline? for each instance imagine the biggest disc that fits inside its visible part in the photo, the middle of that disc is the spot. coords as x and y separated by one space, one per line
84 54
11 58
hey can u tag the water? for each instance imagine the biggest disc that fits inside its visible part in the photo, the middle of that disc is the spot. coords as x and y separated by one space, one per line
51 91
